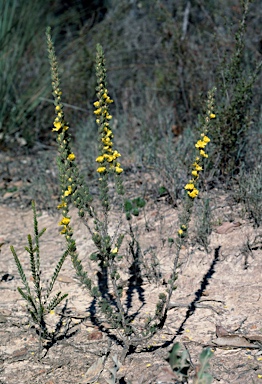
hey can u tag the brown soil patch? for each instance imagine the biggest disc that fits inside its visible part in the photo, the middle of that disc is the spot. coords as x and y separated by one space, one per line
222 288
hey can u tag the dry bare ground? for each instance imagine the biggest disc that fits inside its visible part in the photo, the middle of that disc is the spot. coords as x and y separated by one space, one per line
217 302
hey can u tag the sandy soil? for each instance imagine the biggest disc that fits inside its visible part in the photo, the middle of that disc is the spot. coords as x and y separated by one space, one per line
223 287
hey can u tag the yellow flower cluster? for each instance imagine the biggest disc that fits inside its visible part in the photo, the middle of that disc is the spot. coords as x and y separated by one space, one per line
192 190
190 187
107 158
102 105
59 122
201 145
65 221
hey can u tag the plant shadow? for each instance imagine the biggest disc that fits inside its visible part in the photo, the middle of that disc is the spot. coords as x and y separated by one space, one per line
193 305
61 331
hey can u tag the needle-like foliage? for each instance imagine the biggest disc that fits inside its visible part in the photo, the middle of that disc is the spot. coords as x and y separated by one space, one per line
39 301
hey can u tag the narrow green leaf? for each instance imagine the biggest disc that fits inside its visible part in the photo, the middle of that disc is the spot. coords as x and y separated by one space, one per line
56 272
20 270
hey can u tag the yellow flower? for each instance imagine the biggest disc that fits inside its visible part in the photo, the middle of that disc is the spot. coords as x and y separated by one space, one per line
203 153
180 232
118 170
106 140
108 100
65 221
183 227
100 159
197 167
200 144
116 154
98 111
109 117
114 251
69 191
71 157
58 108
195 173
193 193
96 104
212 115
101 169
57 125
110 158
62 205
206 139
65 127
189 186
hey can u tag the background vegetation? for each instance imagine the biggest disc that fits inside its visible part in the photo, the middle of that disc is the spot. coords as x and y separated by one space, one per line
162 57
